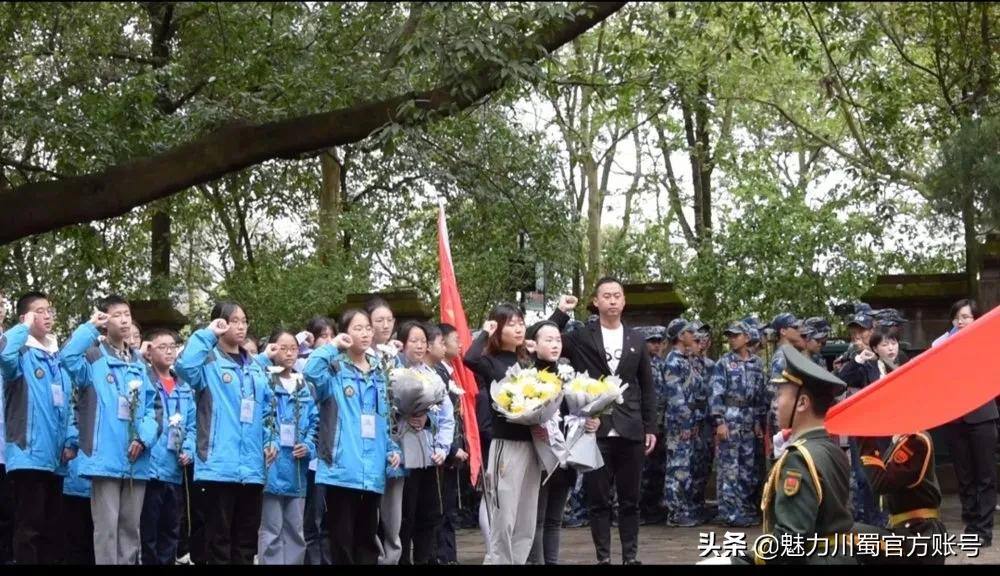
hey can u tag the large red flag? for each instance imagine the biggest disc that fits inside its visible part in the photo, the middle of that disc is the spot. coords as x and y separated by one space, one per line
453 313
938 386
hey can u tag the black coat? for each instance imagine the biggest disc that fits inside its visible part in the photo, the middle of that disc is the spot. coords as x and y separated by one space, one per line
584 348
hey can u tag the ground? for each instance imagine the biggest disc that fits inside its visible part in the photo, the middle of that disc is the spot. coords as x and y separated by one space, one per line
663 545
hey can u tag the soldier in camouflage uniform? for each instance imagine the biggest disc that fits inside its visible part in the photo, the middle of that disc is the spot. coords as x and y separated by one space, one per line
680 382
806 494
738 406
814 332
704 440
654 468
786 326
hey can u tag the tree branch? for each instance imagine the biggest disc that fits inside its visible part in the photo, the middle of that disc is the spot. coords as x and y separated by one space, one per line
47 206
673 190
30 167
391 57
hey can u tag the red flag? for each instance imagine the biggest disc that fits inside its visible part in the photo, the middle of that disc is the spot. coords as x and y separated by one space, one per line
942 384
453 313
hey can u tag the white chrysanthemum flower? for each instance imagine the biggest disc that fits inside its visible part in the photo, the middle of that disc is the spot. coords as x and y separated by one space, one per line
134 385
175 420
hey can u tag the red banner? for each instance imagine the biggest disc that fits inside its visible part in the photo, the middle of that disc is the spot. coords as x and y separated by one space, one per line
453 313
942 384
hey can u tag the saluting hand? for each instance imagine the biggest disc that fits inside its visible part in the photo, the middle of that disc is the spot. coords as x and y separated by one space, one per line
490 326
271 351
99 319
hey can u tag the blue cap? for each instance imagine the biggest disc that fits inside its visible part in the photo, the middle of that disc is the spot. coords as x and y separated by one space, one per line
654 332
754 335
816 328
861 319
677 326
785 320
737 328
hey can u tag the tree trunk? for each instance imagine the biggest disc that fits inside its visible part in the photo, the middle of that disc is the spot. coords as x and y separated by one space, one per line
595 203
51 205
973 252
160 243
330 206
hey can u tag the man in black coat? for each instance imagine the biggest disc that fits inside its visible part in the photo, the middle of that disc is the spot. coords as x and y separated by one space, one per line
602 348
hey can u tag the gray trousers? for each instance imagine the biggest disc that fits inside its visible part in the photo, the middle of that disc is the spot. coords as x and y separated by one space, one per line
512 483
391 516
280 540
116 506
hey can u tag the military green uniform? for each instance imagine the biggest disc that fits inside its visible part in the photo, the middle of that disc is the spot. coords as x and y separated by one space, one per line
806 497
905 478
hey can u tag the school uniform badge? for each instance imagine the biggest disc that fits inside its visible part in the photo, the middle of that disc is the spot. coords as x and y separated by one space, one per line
349 391
793 481
227 377
111 379
39 373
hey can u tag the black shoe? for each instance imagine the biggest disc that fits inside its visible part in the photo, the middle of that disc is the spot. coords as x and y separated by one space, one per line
632 562
605 562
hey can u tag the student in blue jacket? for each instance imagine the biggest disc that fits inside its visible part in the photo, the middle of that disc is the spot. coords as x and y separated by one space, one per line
36 404
172 453
353 445
75 516
232 447
118 426
295 418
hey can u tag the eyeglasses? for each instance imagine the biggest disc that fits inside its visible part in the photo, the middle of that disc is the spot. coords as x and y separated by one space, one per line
50 312
166 347
239 322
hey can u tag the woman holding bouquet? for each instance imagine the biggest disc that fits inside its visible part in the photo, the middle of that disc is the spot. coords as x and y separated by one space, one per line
553 495
513 470
422 505
353 444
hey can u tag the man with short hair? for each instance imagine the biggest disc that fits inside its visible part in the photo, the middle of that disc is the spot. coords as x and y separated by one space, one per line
604 348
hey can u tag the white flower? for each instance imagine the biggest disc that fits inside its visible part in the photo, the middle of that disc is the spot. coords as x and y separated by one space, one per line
455 389
175 420
565 371
387 350
275 369
134 385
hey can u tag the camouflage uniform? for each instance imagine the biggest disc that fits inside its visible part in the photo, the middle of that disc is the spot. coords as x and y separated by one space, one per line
655 465
739 401
681 381
704 440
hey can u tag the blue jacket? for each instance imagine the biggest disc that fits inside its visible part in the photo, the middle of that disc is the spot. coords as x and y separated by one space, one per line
74 484
287 475
36 401
226 449
348 399
178 425
106 384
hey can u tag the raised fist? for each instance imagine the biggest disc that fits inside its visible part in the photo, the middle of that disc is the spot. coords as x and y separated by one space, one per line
98 319
530 345
397 344
490 326
144 349
219 326
271 351
343 341
567 303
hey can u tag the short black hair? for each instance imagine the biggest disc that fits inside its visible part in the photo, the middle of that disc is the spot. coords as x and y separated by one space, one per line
410 326
110 300
606 280
318 324
348 315
224 309
821 402
957 307
374 303
278 333
882 334
432 331
157 332
447 329
24 303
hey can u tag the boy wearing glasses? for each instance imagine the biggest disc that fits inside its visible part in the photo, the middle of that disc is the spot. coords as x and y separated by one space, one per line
160 524
36 391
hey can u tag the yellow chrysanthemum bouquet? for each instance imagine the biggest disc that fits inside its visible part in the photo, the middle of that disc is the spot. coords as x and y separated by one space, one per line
527 396
588 397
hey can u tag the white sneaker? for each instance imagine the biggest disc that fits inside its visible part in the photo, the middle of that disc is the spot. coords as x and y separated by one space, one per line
185 559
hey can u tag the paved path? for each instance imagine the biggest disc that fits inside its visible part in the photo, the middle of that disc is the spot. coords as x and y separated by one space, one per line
664 545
